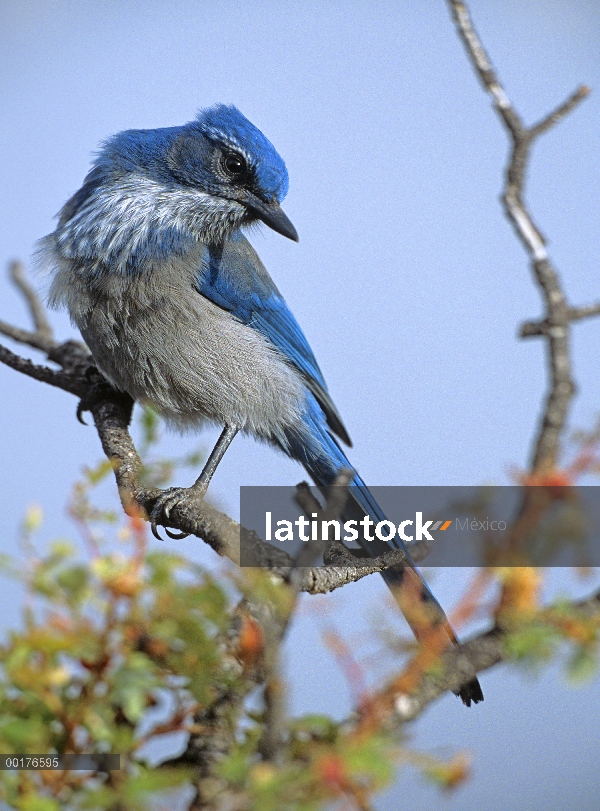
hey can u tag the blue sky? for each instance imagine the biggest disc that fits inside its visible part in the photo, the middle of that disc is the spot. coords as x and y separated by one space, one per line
407 280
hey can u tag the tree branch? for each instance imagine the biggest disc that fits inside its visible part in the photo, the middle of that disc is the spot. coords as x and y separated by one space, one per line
561 111
393 706
37 310
62 380
555 325
534 328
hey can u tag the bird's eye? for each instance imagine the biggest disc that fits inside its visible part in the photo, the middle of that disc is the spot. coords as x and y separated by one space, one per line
234 165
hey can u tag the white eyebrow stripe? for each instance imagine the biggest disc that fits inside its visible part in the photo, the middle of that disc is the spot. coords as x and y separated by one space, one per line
226 139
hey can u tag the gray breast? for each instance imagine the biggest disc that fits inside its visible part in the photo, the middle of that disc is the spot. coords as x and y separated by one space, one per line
157 338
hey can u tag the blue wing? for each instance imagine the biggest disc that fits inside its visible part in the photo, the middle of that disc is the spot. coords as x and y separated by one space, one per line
235 279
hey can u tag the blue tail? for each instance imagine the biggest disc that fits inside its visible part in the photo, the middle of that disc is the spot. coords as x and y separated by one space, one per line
319 453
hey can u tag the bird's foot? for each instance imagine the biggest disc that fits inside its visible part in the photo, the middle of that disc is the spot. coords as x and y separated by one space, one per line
99 390
173 497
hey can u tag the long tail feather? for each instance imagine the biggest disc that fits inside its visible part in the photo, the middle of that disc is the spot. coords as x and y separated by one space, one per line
324 459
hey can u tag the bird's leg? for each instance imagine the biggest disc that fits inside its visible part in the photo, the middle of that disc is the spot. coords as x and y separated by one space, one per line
175 495
212 463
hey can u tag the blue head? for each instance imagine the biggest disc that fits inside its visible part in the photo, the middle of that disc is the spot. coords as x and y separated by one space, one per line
153 193
222 153
232 134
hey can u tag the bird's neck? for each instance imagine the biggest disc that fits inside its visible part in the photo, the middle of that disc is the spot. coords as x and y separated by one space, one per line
123 226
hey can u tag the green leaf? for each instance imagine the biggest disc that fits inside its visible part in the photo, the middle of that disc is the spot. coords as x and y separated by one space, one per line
317 726
534 642
583 665
61 549
35 802
96 474
21 735
98 726
372 760
33 520
149 422
132 682
152 780
234 769
74 582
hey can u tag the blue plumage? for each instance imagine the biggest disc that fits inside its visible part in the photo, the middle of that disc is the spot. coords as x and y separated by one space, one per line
224 124
236 280
178 309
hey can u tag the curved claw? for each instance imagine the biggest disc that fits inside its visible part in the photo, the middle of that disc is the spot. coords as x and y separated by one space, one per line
155 532
80 409
162 509
99 390
177 536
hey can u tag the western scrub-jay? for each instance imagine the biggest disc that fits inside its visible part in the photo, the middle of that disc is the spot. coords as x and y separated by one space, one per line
178 310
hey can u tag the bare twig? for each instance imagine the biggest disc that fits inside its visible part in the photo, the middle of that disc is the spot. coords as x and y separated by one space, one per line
42 337
561 111
534 328
26 337
43 329
337 495
555 325
62 380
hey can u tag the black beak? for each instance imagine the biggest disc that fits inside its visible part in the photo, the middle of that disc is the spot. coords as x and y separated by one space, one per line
272 215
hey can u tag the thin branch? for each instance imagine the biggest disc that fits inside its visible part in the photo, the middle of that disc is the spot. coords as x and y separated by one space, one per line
558 314
588 311
37 310
337 496
483 67
62 380
42 338
532 329
561 111
26 337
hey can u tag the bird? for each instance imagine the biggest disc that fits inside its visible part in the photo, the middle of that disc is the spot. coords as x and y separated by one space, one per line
150 259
